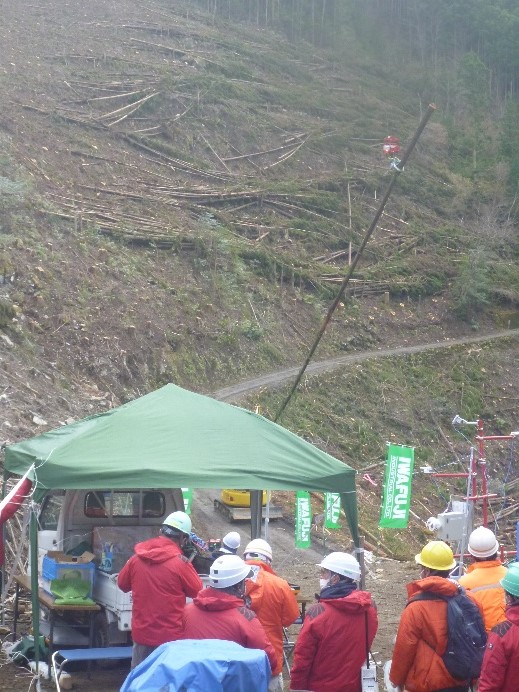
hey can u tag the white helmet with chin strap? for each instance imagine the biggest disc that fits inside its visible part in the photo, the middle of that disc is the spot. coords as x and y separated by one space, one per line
176 523
343 564
228 570
258 549
483 543
230 542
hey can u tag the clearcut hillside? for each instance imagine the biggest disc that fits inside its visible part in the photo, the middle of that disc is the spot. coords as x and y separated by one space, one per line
180 196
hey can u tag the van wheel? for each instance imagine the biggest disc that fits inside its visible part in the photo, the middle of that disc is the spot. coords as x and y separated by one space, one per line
102 640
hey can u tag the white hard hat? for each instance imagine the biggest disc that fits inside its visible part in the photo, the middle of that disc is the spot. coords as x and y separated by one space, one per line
258 548
341 563
228 570
179 521
231 542
483 542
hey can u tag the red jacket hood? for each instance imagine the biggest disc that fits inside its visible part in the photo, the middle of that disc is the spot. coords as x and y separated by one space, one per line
512 614
352 603
157 549
439 585
216 599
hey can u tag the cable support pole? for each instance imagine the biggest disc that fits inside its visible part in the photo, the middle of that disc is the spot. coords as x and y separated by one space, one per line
482 464
430 110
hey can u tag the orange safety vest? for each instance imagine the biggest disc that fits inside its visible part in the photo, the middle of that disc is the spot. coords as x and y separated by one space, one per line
482 580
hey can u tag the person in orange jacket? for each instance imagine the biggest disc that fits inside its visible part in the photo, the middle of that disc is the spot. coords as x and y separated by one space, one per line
422 632
483 576
272 600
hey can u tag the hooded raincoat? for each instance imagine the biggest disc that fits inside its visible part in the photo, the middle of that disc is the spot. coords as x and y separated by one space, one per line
482 580
216 614
422 639
274 603
500 671
331 647
160 578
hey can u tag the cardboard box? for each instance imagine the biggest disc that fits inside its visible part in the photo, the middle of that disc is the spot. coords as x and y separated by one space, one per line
60 556
59 565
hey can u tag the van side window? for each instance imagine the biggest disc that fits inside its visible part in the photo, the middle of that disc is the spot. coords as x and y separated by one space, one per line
127 504
153 504
124 504
95 504
50 511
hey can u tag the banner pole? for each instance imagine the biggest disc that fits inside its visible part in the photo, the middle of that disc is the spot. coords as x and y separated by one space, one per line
360 557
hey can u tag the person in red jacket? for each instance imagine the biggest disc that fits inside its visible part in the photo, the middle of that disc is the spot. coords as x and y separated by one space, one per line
421 639
484 575
272 600
219 611
331 647
160 578
500 671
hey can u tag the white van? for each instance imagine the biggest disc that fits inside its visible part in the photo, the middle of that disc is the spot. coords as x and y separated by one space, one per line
107 523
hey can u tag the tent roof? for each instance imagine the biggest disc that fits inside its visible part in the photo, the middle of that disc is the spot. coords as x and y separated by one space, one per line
176 438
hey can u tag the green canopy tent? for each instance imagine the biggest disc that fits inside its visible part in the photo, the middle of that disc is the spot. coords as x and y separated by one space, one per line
174 438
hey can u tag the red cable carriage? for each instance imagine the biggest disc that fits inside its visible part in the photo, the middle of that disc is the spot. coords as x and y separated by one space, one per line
391 145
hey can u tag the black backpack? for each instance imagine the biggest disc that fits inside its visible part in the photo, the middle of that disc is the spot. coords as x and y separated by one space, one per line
467 637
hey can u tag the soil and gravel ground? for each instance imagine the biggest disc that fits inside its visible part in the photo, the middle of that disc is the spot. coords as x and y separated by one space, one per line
386 579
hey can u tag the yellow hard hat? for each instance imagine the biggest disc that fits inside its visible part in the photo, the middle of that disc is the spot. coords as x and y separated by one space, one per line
436 555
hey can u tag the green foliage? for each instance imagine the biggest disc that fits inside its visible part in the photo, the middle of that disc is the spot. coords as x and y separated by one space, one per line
474 79
509 141
470 291
251 330
504 281
434 193
261 262
7 313
428 33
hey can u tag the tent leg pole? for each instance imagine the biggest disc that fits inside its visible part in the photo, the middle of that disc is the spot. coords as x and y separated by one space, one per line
2 538
256 497
34 587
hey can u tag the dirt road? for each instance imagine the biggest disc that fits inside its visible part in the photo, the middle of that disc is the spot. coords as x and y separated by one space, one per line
235 392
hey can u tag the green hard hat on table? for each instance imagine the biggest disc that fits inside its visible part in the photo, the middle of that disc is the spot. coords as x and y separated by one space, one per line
510 582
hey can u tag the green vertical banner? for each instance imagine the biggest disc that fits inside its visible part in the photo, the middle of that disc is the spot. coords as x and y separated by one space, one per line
332 510
187 494
303 519
397 487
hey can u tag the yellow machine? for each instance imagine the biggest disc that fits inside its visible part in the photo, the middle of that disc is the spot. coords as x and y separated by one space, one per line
240 498
235 505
